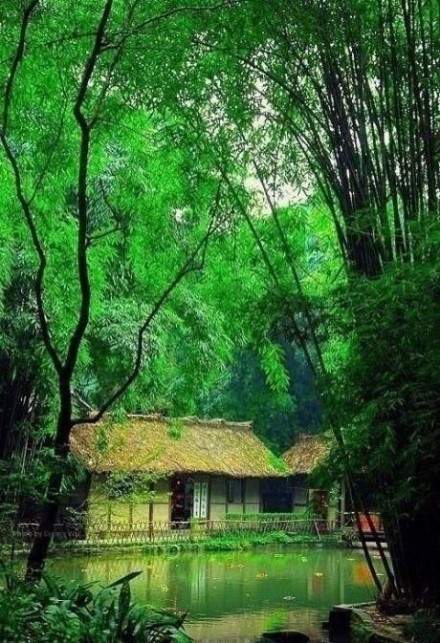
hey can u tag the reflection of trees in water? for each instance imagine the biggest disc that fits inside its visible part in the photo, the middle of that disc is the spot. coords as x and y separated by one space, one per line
301 583
246 627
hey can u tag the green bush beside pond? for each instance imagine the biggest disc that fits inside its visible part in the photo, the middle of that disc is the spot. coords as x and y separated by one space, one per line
241 540
270 517
229 541
57 612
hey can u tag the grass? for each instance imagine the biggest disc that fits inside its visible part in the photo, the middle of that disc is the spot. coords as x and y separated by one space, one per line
231 541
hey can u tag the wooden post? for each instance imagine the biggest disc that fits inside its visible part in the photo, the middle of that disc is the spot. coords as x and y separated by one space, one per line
243 491
150 514
342 504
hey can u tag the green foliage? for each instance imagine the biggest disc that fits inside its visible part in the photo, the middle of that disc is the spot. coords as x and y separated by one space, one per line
277 463
243 540
272 362
130 486
424 626
175 426
311 141
147 205
272 517
56 612
360 632
389 413
243 393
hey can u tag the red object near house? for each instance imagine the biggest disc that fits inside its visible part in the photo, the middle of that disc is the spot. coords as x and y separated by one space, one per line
375 519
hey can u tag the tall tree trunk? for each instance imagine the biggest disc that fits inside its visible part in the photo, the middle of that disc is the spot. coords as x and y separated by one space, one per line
40 545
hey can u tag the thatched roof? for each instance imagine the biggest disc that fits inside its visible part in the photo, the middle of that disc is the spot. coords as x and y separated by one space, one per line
307 452
187 445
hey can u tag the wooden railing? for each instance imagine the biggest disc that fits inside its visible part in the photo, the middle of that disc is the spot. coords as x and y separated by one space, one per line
165 532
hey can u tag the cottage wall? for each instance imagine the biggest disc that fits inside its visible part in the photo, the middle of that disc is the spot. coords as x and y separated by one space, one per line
300 485
140 512
251 498
113 514
252 495
334 500
97 503
109 514
217 506
161 503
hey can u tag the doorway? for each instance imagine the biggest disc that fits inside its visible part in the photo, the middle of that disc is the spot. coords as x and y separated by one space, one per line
182 499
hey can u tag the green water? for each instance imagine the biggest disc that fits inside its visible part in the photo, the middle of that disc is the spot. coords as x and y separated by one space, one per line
235 596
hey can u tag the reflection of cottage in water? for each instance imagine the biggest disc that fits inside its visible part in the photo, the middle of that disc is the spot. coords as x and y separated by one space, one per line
237 595
199 468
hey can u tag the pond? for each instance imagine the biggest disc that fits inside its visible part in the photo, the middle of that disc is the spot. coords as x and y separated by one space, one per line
235 596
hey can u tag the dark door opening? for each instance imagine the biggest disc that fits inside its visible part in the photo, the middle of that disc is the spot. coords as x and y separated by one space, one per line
182 493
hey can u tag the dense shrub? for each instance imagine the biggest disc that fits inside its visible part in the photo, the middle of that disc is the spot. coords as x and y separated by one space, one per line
425 626
53 612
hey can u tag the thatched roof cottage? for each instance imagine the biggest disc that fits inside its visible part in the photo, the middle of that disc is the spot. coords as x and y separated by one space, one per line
192 468
307 452
301 459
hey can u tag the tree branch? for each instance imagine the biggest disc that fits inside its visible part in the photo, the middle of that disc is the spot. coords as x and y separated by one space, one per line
101 235
270 267
24 203
190 265
83 166
40 252
49 156
27 14
172 12
116 228
291 264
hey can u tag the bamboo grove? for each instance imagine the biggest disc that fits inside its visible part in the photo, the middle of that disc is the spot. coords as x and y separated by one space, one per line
314 126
